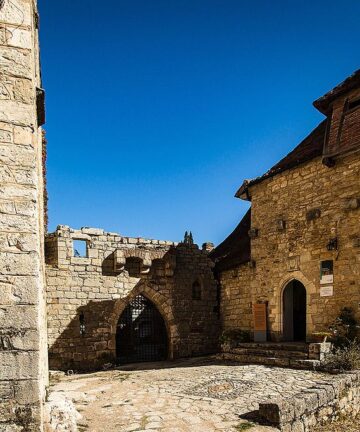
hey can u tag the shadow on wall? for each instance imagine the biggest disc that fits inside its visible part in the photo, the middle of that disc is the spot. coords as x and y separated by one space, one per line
107 266
157 320
89 347
93 336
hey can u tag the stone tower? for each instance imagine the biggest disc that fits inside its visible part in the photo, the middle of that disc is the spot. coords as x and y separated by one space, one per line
23 370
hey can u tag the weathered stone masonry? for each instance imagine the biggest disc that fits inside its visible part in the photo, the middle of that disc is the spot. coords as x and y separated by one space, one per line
115 270
23 355
309 198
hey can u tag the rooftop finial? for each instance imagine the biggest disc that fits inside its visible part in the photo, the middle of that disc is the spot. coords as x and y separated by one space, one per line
188 238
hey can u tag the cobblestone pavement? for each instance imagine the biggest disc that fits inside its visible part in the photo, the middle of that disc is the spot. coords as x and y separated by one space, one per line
193 395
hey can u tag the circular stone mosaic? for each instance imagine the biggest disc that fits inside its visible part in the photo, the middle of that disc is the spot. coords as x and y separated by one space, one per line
220 389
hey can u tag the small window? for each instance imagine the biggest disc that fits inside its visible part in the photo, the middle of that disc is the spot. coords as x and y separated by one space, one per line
326 272
133 266
196 291
80 248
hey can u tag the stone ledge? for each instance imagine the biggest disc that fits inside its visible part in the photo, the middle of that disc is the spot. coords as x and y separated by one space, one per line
317 405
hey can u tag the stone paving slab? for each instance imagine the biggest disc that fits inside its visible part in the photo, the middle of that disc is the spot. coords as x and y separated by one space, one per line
192 395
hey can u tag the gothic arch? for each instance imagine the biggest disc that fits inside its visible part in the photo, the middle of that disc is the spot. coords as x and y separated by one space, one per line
163 305
309 287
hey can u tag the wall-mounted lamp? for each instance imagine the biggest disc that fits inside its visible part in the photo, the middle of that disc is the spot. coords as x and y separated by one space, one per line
332 245
313 214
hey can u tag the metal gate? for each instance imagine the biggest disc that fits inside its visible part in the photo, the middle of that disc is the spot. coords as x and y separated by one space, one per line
141 333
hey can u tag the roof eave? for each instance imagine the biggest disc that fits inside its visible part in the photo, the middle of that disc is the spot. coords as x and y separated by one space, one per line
324 103
243 191
323 106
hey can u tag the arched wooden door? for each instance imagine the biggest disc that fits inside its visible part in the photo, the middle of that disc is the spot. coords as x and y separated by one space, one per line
141 333
294 311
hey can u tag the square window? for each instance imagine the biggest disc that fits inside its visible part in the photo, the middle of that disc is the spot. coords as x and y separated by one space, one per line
80 248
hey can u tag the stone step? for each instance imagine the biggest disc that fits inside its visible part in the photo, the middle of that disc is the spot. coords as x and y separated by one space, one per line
271 361
277 346
262 352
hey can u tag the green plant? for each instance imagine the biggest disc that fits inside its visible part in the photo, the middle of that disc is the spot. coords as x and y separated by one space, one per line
244 426
235 335
344 328
344 358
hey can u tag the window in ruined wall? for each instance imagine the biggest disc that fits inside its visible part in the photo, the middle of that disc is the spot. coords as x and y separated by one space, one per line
196 290
133 266
80 248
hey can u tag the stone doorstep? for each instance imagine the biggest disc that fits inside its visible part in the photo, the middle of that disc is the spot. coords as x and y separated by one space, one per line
273 354
278 346
283 354
270 353
296 363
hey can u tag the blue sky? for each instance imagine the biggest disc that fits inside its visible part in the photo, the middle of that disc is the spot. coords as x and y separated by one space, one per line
158 109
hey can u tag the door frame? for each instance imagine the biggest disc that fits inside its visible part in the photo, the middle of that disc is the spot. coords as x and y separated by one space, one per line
284 285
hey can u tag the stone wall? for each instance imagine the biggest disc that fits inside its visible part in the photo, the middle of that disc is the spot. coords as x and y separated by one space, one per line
236 298
101 284
23 371
321 404
295 252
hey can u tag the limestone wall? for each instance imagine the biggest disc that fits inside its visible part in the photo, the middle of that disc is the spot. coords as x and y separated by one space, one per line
236 298
100 285
320 404
295 252
23 371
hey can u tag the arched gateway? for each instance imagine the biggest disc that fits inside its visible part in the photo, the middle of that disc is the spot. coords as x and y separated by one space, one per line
141 333
294 311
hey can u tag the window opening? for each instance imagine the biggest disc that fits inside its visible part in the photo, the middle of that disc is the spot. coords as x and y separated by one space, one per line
80 248
196 290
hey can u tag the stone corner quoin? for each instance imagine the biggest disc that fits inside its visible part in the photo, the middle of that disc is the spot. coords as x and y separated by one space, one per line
23 346
81 299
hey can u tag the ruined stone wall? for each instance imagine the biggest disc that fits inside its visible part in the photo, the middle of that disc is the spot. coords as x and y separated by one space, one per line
101 284
23 359
321 404
295 251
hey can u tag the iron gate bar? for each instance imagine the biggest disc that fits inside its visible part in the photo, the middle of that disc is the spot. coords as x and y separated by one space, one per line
141 333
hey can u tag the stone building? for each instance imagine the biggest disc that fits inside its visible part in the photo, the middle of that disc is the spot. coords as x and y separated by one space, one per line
110 298
121 299
297 249
23 353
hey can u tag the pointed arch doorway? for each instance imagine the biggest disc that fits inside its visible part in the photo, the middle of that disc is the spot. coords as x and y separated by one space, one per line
141 333
294 312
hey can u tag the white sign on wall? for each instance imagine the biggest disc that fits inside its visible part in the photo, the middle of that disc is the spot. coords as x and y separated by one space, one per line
326 291
327 279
